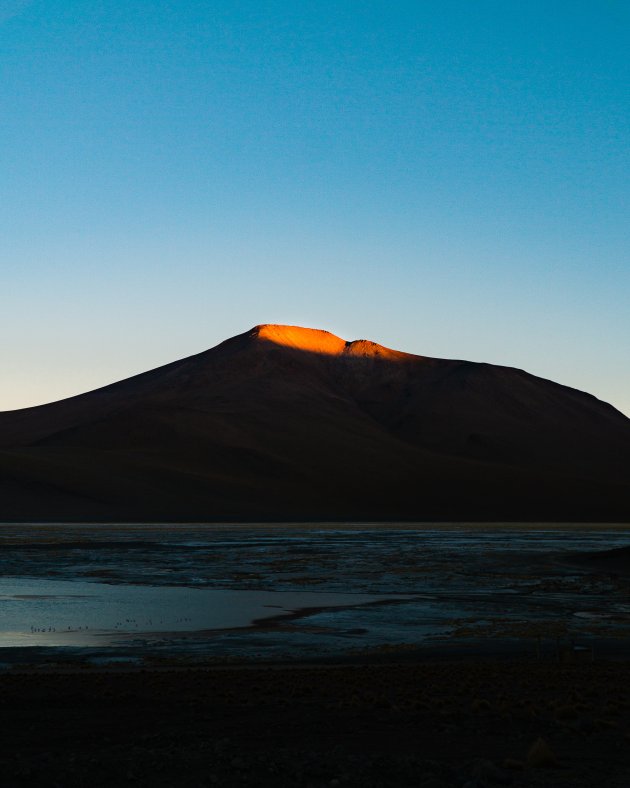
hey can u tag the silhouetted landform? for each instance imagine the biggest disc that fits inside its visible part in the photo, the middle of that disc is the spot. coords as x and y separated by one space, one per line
616 561
286 423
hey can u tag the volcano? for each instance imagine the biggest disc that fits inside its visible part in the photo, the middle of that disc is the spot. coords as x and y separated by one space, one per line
283 423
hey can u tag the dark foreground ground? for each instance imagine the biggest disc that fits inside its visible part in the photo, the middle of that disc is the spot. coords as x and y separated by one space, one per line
470 723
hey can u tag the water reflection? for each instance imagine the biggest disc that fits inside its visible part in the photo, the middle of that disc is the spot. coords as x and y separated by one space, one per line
35 612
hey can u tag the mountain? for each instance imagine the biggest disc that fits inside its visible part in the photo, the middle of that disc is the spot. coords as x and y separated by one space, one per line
288 423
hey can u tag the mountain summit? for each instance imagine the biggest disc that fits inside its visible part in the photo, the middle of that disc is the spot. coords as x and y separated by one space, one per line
314 340
289 423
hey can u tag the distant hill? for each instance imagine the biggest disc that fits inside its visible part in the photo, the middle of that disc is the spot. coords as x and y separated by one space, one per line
287 423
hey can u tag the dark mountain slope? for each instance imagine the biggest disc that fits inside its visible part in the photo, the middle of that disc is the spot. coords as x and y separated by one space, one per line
289 423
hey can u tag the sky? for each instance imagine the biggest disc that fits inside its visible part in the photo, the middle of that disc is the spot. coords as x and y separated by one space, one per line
444 177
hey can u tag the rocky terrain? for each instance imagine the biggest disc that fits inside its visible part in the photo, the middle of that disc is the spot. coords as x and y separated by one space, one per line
454 724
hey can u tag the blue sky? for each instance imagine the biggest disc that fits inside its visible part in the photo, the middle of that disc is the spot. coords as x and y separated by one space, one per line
446 178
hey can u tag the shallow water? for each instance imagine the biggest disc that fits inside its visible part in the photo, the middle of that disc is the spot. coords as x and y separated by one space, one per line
166 586
40 612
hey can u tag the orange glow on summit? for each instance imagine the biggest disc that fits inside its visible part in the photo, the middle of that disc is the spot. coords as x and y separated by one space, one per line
314 340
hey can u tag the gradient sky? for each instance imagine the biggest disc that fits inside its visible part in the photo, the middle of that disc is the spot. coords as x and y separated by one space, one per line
446 178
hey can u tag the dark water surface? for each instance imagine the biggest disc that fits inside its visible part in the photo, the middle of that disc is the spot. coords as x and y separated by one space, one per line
183 588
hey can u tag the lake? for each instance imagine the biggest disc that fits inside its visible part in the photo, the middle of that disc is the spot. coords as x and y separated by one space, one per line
302 591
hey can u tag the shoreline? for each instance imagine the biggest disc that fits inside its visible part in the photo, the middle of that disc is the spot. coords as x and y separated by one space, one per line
330 525
544 651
